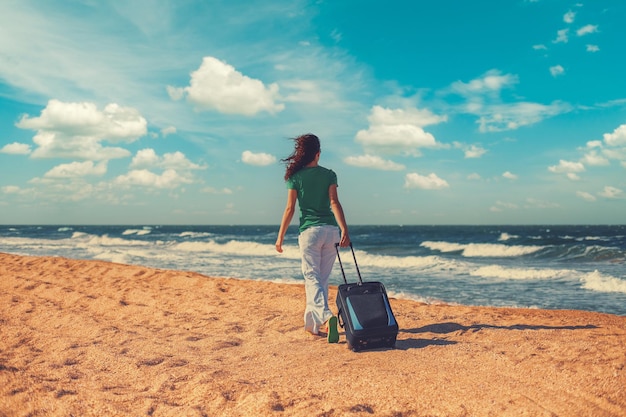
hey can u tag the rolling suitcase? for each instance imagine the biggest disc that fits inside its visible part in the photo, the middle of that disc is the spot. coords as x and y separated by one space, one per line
365 313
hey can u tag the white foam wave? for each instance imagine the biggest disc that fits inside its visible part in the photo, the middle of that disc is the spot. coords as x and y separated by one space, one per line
112 256
36 245
245 248
505 236
391 262
482 250
83 239
64 229
195 235
497 271
401 295
138 232
597 281
235 247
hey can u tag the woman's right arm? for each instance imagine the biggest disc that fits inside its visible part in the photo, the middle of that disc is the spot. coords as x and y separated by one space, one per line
290 208
337 209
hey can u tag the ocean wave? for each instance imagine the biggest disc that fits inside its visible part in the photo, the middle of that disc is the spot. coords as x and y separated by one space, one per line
196 235
497 271
29 244
482 250
113 256
585 253
597 281
505 236
138 232
401 295
254 249
83 239
422 263
235 247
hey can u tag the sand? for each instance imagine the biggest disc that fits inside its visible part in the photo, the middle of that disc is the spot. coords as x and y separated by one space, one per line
92 338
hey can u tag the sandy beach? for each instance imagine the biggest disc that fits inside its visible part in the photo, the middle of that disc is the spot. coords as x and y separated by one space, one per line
91 338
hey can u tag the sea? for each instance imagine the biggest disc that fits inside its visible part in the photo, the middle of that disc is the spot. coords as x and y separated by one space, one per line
547 267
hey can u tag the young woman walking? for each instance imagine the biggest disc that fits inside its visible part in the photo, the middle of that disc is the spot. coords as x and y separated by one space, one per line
322 225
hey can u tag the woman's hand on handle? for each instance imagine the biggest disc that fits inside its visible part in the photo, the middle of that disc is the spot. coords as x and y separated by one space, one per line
345 240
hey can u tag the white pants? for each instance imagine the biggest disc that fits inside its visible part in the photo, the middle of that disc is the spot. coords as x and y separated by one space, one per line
317 247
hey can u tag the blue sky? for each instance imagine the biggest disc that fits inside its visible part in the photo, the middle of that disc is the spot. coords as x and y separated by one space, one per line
446 112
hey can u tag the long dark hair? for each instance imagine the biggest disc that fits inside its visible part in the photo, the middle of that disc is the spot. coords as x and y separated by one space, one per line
306 147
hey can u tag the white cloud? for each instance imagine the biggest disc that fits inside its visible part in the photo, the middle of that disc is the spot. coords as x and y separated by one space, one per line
175 93
497 118
168 179
216 85
11 189
475 151
615 153
617 138
540 47
399 131
169 130
585 196
471 151
75 130
211 190
258 159
374 162
145 158
557 70
483 100
16 148
503 205
567 166
312 92
473 176
507 205
409 116
611 192
175 160
586 30
491 82
540 204
569 17
509 175
77 169
429 182
593 48
561 36
592 158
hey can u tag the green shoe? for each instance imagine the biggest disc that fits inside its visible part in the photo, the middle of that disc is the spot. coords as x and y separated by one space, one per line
333 333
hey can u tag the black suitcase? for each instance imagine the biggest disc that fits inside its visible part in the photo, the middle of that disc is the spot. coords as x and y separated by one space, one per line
365 312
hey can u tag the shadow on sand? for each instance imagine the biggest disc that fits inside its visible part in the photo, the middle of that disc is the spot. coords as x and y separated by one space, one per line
444 328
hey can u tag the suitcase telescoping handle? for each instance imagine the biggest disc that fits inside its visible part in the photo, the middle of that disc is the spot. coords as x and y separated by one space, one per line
355 264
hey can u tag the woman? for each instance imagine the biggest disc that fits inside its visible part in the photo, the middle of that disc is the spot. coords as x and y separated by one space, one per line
321 219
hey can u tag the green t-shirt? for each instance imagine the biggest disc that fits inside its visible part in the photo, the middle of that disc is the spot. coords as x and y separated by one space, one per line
312 186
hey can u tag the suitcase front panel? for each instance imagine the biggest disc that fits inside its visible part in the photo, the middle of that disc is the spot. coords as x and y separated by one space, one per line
367 311
367 316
